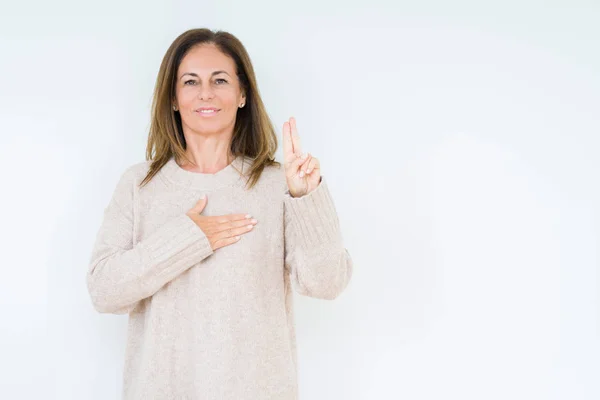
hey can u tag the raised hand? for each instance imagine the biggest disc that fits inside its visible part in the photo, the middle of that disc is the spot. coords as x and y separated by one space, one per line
302 171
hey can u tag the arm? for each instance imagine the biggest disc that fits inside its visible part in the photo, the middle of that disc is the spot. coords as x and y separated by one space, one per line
120 274
315 256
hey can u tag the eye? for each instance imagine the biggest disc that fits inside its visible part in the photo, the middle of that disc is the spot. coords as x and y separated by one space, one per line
185 83
220 79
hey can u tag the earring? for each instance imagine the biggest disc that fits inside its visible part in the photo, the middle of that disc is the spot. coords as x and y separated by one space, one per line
174 108
242 105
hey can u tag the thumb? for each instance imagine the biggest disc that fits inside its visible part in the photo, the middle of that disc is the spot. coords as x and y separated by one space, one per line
200 204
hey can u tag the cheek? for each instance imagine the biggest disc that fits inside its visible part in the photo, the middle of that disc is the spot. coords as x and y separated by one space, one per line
228 98
186 96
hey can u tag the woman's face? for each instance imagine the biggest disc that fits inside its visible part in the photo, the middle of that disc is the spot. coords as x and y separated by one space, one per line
206 78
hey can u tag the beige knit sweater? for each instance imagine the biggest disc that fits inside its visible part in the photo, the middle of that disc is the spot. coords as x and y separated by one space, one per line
207 324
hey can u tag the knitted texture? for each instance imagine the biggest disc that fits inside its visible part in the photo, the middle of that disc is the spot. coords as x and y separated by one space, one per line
213 324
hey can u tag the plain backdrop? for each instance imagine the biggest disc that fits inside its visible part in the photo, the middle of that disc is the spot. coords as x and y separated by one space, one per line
460 140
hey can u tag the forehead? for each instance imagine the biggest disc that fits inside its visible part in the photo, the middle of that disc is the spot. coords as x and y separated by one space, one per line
206 58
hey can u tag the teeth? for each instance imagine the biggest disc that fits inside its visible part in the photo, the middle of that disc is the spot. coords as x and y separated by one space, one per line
207 111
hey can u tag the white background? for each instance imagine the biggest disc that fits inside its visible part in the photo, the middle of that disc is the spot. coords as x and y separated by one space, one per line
461 144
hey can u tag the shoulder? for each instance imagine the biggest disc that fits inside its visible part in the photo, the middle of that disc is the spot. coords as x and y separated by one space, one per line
137 169
272 178
133 173
273 170
274 175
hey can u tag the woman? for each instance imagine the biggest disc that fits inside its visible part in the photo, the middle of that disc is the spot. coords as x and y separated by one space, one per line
202 243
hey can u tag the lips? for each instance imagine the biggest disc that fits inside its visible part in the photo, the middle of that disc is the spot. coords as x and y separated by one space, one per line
207 112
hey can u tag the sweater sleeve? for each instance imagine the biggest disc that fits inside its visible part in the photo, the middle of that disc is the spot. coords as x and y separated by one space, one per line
315 257
120 274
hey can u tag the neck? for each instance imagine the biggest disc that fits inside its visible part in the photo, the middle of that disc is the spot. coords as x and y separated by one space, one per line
207 153
229 174
206 163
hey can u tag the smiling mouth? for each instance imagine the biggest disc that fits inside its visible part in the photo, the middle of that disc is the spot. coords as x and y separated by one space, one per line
207 112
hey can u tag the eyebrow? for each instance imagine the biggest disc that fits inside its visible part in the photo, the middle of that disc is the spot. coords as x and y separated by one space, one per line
196 75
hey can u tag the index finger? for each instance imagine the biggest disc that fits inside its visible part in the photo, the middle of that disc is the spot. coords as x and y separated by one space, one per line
288 147
232 217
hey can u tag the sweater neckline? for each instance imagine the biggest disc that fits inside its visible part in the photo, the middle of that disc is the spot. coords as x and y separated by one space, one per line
227 176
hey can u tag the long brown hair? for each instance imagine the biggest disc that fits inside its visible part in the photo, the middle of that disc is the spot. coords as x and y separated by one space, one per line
253 133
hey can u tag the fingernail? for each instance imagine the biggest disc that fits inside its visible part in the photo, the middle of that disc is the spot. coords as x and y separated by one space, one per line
301 174
248 216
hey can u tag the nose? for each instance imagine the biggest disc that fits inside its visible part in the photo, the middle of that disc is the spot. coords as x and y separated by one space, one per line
205 92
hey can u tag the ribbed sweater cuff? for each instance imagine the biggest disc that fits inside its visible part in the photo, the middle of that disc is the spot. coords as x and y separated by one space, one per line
177 245
315 218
